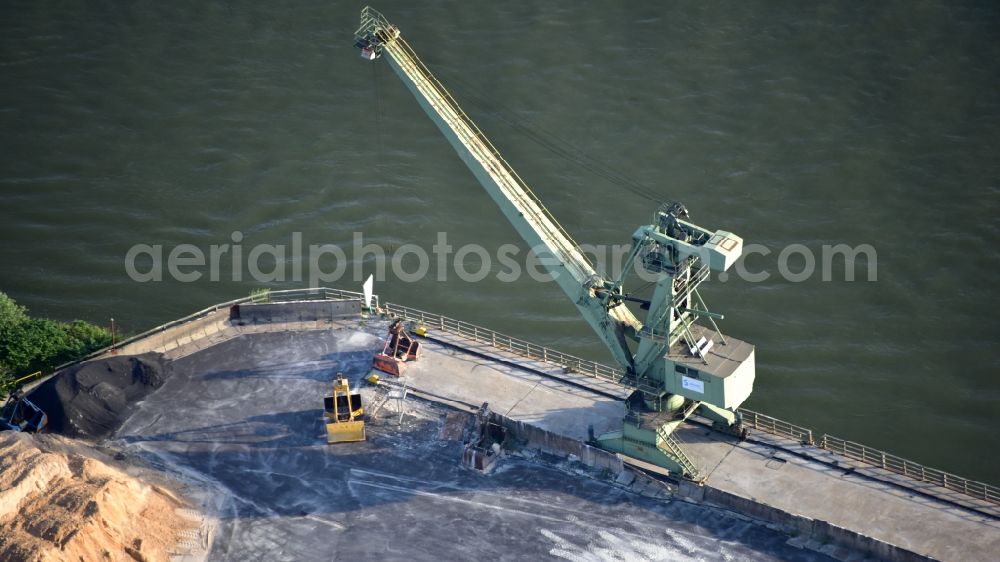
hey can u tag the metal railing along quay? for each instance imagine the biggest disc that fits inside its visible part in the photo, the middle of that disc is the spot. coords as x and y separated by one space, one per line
872 456
506 343
774 426
289 295
910 469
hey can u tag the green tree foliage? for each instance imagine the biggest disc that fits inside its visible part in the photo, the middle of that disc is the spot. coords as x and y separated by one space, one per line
38 344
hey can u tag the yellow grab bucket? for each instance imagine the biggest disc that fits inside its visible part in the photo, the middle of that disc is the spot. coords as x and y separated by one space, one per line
345 431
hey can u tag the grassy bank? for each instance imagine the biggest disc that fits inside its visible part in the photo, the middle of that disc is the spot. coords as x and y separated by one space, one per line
38 344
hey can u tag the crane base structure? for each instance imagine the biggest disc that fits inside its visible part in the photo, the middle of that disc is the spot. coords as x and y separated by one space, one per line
677 359
649 435
653 413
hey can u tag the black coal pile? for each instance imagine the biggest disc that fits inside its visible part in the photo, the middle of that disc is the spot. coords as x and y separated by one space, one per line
94 398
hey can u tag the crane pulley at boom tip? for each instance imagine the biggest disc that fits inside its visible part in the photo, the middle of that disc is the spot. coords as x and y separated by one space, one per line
681 363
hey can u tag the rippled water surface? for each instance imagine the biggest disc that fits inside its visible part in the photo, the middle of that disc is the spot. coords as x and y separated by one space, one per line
787 123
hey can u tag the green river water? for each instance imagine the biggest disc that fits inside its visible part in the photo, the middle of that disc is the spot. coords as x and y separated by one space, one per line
787 123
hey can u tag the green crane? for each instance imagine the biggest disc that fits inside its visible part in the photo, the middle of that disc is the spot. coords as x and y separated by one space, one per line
677 359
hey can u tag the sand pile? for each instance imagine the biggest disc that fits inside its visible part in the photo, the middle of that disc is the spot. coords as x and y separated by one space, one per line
59 501
94 398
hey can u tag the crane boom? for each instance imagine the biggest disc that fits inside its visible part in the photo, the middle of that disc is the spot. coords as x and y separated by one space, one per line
533 221
681 363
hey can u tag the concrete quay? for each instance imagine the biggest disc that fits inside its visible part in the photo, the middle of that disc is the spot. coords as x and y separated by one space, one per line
830 500
237 376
